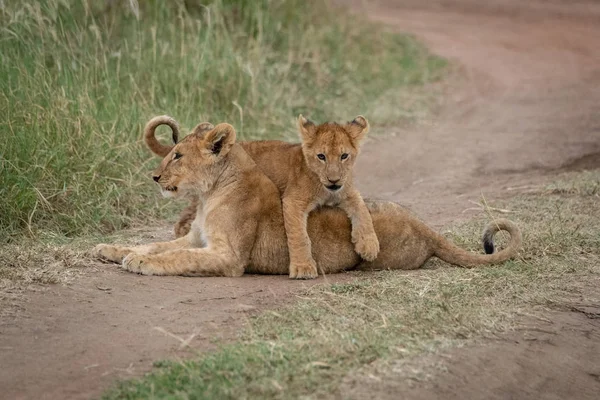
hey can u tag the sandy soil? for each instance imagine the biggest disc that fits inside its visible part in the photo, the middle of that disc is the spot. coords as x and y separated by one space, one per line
527 106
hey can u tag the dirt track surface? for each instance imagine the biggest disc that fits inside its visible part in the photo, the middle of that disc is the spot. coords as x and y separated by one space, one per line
527 106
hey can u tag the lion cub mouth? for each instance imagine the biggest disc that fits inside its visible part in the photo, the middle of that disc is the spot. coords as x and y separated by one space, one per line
169 191
334 188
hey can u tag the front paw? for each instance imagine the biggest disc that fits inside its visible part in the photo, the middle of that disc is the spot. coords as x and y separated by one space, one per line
110 252
306 270
142 264
367 247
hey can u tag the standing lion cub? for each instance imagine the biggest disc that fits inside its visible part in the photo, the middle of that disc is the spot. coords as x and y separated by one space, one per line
324 178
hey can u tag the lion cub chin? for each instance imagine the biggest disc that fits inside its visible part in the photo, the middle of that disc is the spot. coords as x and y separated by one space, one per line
325 179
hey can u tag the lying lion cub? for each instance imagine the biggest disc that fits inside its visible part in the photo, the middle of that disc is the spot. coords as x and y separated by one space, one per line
239 223
314 173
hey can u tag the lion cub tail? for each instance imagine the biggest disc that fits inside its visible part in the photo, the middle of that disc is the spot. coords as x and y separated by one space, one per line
150 137
453 254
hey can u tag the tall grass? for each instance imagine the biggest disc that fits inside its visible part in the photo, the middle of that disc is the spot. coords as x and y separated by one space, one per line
79 78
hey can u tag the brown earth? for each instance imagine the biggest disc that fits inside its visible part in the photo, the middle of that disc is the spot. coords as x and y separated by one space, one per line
526 106
551 358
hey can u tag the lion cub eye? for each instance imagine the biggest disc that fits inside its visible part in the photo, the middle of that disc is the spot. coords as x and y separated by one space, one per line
344 156
321 156
177 156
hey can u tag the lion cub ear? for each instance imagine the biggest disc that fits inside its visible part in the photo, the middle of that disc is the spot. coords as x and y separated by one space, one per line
202 127
219 140
358 128
306 128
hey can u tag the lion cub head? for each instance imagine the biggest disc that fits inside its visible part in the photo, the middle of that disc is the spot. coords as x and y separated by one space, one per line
330 149
193 164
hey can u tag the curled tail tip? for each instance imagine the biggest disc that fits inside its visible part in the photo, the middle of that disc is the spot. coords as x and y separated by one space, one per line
488 238
149 134
159 120
163 117
488 245
501 225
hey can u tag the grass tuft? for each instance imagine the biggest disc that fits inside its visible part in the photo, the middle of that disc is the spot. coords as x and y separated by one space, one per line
81 77
586 183
35 263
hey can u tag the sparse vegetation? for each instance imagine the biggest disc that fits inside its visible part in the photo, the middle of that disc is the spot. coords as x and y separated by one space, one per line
79 78
306 349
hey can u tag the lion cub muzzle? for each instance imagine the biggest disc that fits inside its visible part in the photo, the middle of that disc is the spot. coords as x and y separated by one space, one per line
169 188
333 184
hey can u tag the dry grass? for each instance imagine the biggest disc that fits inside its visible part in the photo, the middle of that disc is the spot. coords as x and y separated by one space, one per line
39 264
34 262
307 349
584 183
31 264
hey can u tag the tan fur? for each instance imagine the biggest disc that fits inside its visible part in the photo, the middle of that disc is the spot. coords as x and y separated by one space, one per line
322 175
303 180
239 223
150 134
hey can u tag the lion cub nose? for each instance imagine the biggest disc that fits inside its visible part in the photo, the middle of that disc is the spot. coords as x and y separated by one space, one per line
333 181
156 178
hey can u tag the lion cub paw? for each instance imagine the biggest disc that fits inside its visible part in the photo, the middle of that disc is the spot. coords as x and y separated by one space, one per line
303 271
142 264
110 252
367 247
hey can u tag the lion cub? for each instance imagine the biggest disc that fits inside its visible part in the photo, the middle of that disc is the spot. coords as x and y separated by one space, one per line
324 178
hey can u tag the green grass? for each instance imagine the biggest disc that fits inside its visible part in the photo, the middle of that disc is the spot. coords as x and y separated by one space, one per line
307 349
78 80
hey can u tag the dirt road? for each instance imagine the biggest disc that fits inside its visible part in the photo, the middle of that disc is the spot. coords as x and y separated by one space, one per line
527 108
528 105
